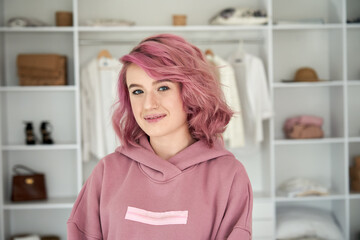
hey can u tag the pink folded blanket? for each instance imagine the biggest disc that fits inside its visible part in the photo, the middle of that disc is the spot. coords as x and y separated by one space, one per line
302 120
301 131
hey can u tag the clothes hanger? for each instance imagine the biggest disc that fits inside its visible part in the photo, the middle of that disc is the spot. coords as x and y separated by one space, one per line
104 53
241 46
209 52
240 51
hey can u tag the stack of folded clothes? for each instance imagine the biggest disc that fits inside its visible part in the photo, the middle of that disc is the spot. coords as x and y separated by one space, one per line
303 126
302 187
108 22
239 16
26 22
34 237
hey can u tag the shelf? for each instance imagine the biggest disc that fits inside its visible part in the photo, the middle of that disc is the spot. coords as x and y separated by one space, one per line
261 196
172 28
37 29
354 195
39 147
353 82
311 198
354 139
306 26
52 203
308 141
353 25
308 84
332 49
176 28
37 88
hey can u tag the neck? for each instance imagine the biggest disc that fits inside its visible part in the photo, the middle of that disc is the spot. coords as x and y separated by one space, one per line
166 147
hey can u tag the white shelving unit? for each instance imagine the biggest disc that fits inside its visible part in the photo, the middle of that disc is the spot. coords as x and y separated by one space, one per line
60 162
332 49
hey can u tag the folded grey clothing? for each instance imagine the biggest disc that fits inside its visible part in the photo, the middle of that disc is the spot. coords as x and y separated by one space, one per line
109 22
304 238
301 187
25 22
34 237
28 237
239 16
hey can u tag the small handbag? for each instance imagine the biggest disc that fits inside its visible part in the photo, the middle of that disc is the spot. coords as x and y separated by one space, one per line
27 187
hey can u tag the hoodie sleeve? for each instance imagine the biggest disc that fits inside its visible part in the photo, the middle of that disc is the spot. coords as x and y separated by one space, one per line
84 222
237 220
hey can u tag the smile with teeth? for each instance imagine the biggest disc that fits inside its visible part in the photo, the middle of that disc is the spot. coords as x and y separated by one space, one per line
154 117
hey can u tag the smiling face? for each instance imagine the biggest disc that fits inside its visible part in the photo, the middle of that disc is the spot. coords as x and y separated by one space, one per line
157 105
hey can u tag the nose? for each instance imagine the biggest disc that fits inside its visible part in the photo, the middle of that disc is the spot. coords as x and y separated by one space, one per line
151 101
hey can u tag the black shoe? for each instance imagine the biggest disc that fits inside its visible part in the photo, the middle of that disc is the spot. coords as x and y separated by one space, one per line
45 129
30 137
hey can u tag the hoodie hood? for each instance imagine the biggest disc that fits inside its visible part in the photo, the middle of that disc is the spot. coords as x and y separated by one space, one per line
164 170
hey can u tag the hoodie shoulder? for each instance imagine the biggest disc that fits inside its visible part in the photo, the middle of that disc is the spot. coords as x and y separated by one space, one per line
235 163
114 158
230 166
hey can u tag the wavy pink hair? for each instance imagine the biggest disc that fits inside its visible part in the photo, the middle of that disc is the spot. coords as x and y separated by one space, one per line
167 56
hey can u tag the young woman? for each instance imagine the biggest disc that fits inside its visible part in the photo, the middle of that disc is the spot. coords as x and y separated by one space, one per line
172 178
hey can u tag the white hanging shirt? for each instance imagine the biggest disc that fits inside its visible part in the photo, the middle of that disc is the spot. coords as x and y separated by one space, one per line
255 97
98 85
234 133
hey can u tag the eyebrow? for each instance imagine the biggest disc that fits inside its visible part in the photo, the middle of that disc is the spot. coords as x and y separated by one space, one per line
154 83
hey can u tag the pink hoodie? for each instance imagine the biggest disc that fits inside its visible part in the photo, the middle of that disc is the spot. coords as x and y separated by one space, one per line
200 193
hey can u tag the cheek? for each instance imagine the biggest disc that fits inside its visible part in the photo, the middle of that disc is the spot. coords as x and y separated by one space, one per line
179 107
183 115
135 107
181 104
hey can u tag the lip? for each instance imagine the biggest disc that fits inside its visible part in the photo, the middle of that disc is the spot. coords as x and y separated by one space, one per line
152 118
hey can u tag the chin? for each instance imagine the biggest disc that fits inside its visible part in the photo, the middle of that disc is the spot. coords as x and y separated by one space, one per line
155 135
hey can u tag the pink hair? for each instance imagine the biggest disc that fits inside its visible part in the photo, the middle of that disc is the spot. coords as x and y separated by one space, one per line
167 56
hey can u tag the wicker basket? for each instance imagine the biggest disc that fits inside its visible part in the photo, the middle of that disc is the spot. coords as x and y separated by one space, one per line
41 69
64 19
179 20
355 175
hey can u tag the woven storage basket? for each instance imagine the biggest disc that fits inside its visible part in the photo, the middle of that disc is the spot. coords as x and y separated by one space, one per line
179 20
41 69
64 19
355 175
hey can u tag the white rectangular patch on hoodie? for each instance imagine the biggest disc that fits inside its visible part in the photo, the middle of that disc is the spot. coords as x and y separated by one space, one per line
156 218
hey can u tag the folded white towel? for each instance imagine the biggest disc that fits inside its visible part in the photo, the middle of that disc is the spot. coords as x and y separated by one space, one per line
29 237
109 22
239 16
299 187
25 22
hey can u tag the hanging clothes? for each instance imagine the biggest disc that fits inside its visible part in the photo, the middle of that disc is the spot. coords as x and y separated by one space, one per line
254 94
234 133
98 93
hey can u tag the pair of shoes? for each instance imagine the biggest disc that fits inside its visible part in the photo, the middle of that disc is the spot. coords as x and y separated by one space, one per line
45 129
30 137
